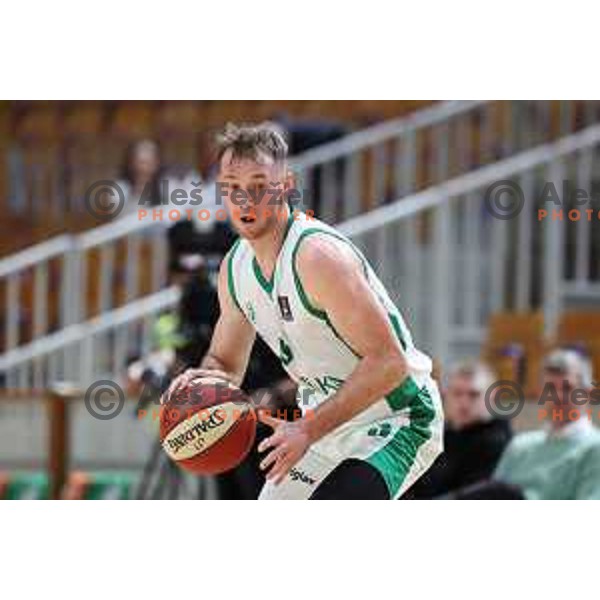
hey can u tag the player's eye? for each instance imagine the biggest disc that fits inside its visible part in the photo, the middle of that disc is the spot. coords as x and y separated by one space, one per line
233 188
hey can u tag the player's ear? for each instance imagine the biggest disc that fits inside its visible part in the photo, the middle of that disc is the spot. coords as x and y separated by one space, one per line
289 187
290 180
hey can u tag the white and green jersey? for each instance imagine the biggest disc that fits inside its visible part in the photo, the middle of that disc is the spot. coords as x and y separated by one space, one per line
310 349
401 434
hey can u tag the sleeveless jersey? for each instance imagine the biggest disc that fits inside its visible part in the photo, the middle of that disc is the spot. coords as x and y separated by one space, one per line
312 352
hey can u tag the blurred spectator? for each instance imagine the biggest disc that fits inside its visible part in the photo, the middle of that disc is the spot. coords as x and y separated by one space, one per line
305 134
562 461
198 309
186 240
195 197
141 175
203 226
473 439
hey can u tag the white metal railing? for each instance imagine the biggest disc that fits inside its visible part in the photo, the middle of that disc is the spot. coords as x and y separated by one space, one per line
42 183
427 117
376 164
394 159
84 352
445 259
73 278
449 263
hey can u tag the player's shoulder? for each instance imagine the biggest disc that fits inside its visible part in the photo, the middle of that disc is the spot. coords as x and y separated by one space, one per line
227 268
238 250
323 248
320 257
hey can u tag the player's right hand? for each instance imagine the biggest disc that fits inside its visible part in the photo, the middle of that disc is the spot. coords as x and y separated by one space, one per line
187 376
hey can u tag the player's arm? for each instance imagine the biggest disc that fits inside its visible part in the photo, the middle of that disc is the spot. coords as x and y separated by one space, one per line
232 338
231 342
334 280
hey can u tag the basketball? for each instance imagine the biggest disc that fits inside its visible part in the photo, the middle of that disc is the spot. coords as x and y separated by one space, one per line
208 426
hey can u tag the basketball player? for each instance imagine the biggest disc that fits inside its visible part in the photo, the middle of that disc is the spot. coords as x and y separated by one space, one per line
372 417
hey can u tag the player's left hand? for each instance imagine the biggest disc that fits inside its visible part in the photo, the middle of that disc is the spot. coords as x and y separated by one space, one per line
289 443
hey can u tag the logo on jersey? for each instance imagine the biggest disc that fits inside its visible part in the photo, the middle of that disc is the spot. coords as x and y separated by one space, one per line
297 475
251 312
325 384
284 308
382 430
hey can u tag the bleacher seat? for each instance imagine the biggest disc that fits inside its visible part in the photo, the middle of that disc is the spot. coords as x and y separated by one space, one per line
38 120
581 330
83 118
515 348
133 119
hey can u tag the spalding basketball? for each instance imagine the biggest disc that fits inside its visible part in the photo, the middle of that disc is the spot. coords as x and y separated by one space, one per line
207 426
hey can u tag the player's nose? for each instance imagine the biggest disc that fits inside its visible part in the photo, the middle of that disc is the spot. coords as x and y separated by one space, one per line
244 200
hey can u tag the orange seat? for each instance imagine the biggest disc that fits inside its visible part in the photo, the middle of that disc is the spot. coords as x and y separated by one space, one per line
38 120
133 119
83 118
526 331
178 117
582 328
579 326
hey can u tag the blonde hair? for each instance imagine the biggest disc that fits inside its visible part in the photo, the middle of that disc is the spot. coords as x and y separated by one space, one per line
250 141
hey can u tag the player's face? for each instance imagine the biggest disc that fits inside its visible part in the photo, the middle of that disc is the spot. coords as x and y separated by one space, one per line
253 192
464 401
